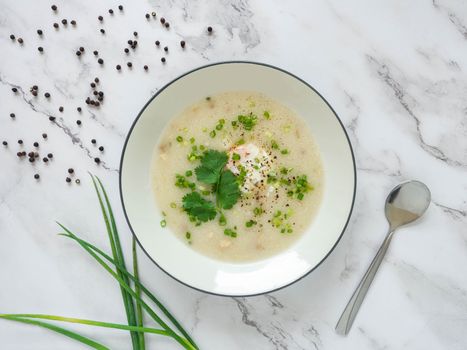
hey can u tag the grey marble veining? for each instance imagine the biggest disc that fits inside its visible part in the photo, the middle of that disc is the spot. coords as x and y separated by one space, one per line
395 73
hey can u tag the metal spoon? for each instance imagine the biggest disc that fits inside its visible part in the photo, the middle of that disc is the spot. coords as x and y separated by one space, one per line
405 203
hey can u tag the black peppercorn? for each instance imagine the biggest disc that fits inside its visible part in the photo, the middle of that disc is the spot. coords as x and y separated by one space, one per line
100 61
54 7
60 109
209 30
40 48
12 37
34 92
19 154
51 118
71 171
81 49
45 159
35 87
36 155
47 95
93 141
162 20
97 160
31 154
12 115
92 102
111 11
120 7
36 144
73 22
100 98
129 64
182 43
20 142
68 179
39 31
5 143
78 53
158 42
88 100
44 135
31 159
118 67
77 181
50 155
95 52
56 25
100 18
64 22
153 14
95 93
101 93
36 176
14 89
78 109
163 59
101 148
78 122
147 15
93 85
20 40
135 33
146 67
167 24
130 42
166 49
96 80
126 50
97 104
102 31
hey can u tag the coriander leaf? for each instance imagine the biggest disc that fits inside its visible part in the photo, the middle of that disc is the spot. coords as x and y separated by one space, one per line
198 207
228 190
212 164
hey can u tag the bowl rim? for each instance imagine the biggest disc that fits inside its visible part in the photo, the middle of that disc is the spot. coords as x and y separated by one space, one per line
225 63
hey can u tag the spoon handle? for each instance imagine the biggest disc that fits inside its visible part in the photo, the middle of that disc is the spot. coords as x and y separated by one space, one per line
348 315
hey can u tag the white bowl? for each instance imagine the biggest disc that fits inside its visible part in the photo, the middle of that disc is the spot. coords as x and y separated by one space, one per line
234 279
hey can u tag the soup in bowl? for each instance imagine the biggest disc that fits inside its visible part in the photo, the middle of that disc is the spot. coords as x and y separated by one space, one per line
237 178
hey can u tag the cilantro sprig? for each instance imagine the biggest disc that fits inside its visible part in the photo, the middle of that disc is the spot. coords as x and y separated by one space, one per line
224 185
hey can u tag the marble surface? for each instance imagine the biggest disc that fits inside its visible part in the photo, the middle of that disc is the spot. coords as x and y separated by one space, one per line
395 72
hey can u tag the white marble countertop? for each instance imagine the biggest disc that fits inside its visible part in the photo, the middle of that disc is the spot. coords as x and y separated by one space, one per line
395 72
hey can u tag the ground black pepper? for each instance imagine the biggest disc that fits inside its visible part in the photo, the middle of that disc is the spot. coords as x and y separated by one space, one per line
162 20
47 95
51 118
40 48
45 159
20 142
166 49
20 40
56 25
95 52
100 61
36 176
129 64
44 135
101 148
126 50
93 85
96 80
182 43
93 141
118 67
102 31
73 22
135 33
78 122
147 16
5 143
12 115
68 179
97 160
100 18
78 109
78 53
120 7
39 31
64 22
81 49
12 37
71 171
163 59
146 67
111 11
60 109
14 89
36 144
50 155
167 25
54 8
209 29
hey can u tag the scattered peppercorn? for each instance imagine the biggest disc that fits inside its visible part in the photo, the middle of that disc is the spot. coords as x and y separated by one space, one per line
47 95
14 89
20 142
50 155
31 160
158 42
19 154
54 7
78 109
44 135
146 67
120 7
95 93
40 48
93 141
129 64
167 25
93 85
68 179
209 29
153 14
51 118
81 49
78 122
12 115
96 80
101 148
56 25
100 18
36 176
34 92
111 11
77 181
60 109
5 143
100 61
45 159
166 49
64 22
126 50
71 171
12 37
147 16
118 67
35 87
135 33
102 30
182 43
95 52
130 42
36 144
97 160
73 22
78 53
163 59
20 40
36 155
162 20
39 31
